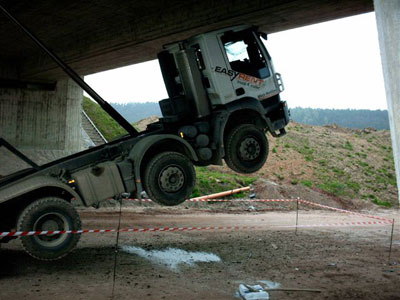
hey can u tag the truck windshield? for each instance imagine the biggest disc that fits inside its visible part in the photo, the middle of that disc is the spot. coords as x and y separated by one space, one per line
236 51
244 54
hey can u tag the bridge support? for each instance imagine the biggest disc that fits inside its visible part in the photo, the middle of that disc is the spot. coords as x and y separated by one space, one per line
388 22
42 123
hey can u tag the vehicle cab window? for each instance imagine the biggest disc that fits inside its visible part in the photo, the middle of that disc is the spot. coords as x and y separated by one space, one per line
244 54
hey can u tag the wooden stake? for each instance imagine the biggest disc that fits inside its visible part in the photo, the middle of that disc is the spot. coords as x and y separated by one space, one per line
293 290
297 214
391 242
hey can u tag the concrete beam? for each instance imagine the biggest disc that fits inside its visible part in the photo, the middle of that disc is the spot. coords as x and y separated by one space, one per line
388 22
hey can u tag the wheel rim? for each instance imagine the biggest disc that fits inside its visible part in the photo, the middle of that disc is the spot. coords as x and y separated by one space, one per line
49 222
171 179
249 148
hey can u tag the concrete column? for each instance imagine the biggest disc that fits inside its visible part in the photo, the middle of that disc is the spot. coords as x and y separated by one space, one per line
388 22
44 125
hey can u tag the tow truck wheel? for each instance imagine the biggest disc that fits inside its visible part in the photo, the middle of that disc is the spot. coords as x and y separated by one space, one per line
246 148
49 214
169 178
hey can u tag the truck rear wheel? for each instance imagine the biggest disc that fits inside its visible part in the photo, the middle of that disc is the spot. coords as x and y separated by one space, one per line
246 148
50 213
169 178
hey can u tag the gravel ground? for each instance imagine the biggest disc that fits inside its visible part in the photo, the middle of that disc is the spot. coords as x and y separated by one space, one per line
343 262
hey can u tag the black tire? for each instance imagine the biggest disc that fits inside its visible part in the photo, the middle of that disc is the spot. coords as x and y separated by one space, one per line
50 213
246 148
169 178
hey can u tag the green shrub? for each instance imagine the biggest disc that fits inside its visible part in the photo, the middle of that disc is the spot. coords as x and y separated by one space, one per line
348 146
362 164
306 183
333 187
355 186
382 203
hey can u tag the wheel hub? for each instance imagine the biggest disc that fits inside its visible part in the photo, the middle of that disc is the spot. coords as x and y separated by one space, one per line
50 225
171 179
249 148
51 222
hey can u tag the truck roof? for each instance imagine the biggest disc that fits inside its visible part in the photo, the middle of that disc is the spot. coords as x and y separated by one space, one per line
213 32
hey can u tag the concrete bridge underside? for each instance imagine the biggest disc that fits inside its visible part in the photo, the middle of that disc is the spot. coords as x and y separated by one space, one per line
99 35
94 36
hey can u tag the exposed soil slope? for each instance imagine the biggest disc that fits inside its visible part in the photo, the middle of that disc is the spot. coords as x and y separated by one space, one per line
347 164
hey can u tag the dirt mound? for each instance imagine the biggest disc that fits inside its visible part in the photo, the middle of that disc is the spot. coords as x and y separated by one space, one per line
142 124
267 189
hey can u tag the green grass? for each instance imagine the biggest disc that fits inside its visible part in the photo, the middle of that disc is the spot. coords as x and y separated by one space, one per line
355 186
106 125
279 176
209 182
306 151
339 172
348 146
333 187
307 183
362 164
323 162
379 202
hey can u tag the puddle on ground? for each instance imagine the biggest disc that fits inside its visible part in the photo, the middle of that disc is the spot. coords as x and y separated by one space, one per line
172 257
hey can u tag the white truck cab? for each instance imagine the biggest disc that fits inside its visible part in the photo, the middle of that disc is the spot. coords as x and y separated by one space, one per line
226 80
237 65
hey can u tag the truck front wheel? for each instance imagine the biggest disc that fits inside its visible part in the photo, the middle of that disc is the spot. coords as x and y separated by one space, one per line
49 214
246 148
169 178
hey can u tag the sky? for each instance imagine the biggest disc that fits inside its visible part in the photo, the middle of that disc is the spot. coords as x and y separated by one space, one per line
334 64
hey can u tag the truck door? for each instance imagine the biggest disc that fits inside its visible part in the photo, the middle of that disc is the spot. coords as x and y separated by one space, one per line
250 63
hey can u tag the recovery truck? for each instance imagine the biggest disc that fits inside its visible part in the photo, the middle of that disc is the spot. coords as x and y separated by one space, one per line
223 98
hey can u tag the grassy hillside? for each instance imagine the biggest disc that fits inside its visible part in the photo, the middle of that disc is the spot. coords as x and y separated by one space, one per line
353 164
107 126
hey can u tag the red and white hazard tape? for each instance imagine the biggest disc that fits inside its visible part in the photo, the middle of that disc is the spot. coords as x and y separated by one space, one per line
342 224
171 229
282 200
155 229
383 221
242 200
223 200
345 211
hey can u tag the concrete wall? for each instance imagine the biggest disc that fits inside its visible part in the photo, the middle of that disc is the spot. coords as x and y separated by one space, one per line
388 22
43 125
46 120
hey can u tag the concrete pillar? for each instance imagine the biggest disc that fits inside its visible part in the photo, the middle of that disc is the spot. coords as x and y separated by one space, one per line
388 22
44 125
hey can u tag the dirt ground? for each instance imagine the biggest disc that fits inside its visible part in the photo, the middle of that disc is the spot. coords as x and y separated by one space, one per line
342 262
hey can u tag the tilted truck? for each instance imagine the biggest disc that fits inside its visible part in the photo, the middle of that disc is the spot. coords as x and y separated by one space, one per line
223 98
